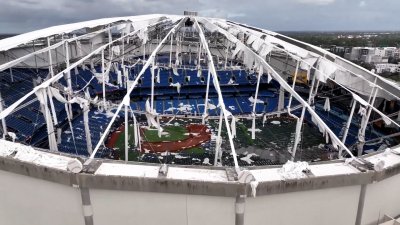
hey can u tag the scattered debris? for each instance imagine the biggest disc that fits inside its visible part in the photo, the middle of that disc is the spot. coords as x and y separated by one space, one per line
275 122
294 170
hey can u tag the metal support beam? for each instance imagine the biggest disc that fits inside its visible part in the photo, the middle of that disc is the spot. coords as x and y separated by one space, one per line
34 50
294 84
145 66
226 55
152 69
109 39
220 97
283 83
126 133
281 100
365 124
346 131
310 95
46 49
219 139
240 205
104 79
42 95
190 54
253 127
199 55
144 52
333 80
68 72
3 120
299 125
361 202
137 127
86 110
58 76
87 209
170 51
11 75
123 52
55 49
278 48
205 113
53 109
50 58
300 120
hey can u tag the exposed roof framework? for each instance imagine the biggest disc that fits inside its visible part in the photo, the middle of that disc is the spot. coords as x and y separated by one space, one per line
250 46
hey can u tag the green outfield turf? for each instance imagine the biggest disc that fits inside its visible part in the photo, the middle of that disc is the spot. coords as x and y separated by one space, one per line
120 145
195 150
172 133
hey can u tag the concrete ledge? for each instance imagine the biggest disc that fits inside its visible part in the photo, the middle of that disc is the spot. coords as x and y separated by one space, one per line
163 185
219 187
35 171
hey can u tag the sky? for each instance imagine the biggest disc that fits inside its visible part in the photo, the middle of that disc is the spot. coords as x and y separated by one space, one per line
19 16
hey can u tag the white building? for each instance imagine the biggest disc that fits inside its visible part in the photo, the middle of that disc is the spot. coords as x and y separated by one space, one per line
387 67
352 54
380 52
389 51
371 55
368 55
396 53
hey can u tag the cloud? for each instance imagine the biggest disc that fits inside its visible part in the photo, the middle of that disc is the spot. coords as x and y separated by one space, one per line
316 2
26 15
236 15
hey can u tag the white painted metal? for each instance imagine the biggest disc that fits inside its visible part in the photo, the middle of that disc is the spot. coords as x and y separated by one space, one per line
58 76
219 139
283 84
3 120
205 113
170 52
220 97
50 58
253 127
126 133
294 84
145 66
299 125
152 86
104 79
346 131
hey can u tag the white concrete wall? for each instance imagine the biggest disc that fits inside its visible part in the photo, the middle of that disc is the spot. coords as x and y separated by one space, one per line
332 206
29 201
382 198
126 207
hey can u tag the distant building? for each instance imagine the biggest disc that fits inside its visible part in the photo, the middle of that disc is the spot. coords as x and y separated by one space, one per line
368 55
371 55
364 54
387 67
337 50
352 54
396 53
380 52
389 51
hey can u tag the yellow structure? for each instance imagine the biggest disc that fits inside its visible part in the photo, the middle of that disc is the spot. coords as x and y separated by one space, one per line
301 77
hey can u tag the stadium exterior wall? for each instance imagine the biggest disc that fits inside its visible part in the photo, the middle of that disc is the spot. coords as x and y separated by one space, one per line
34 194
